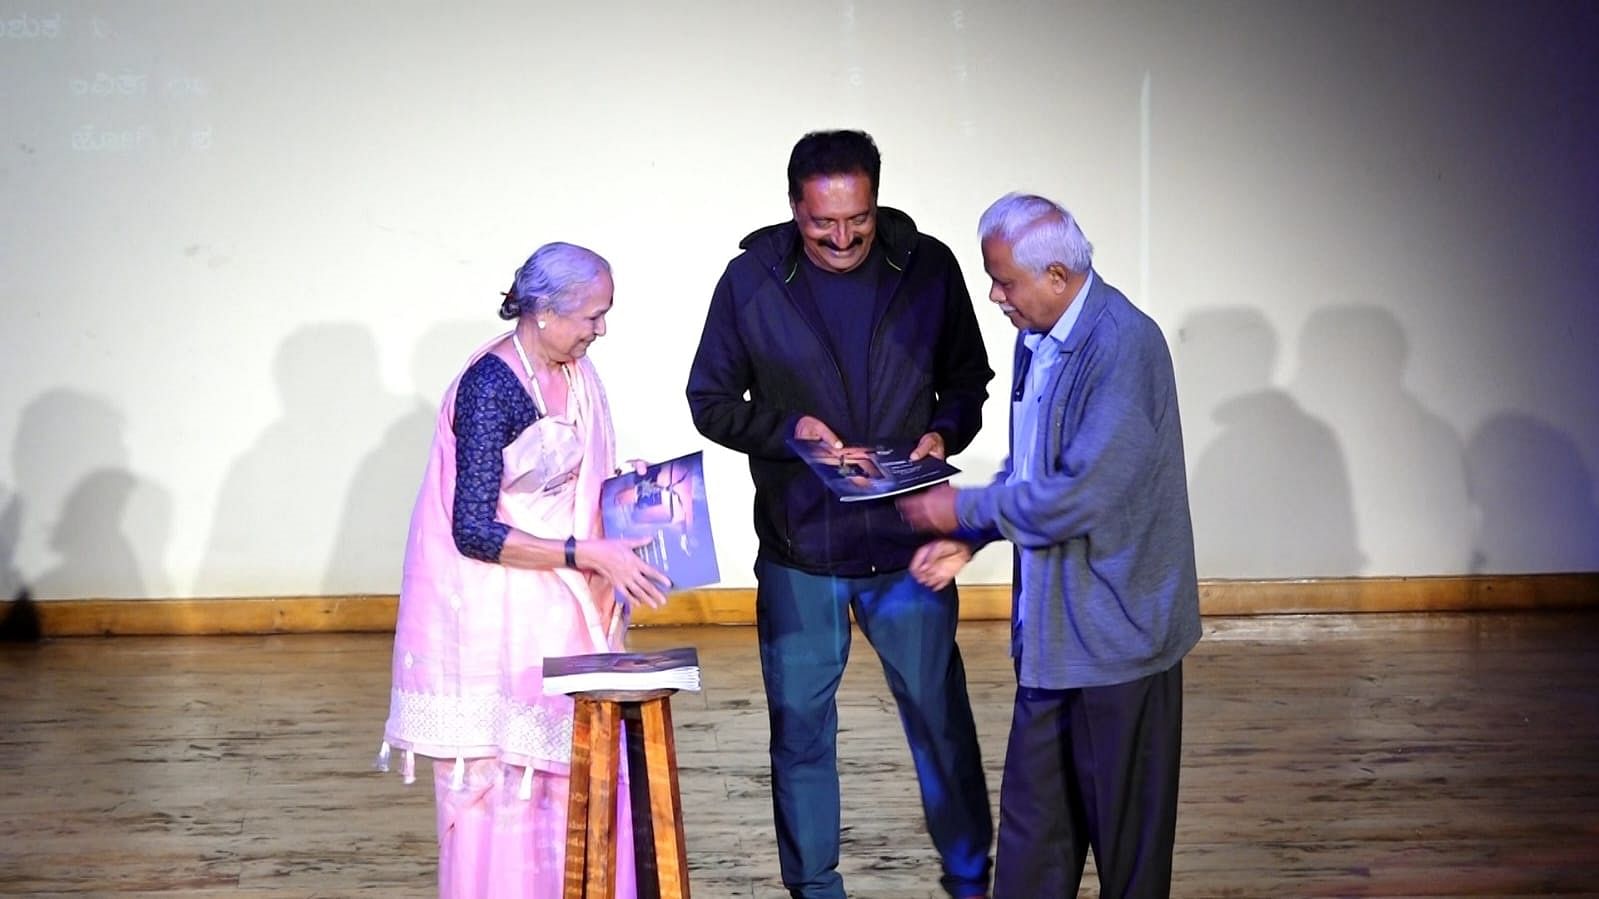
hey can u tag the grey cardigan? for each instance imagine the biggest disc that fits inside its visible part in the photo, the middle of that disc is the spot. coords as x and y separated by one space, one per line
1103 534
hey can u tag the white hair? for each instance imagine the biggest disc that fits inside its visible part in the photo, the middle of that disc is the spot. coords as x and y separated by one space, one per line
546 281
1038 231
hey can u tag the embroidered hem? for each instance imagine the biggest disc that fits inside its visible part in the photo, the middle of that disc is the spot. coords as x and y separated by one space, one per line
478 726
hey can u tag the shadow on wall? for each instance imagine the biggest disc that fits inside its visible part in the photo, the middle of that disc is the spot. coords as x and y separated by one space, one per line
370 542
1269 491
276 513
1534 496
10 534
93 557
20 624
1406 463
108 534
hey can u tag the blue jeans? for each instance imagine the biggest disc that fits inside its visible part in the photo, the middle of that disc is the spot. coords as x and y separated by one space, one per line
804 629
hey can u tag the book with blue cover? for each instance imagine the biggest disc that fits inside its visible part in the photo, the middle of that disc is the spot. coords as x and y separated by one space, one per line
859 473
666 504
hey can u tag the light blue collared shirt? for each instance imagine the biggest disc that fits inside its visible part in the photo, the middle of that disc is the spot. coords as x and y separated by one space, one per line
1046 355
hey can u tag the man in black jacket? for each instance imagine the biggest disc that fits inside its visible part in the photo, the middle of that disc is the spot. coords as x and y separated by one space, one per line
847 324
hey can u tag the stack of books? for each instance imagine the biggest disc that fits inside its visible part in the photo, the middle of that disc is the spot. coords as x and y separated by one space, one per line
664 669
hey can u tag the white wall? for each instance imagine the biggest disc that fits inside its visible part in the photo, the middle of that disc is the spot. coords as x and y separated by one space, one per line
244 246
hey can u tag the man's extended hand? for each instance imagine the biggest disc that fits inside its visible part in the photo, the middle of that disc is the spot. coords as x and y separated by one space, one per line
936 564
810 427
931 510
931 444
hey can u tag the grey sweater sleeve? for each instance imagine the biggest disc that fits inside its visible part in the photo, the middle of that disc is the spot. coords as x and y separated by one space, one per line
1108 419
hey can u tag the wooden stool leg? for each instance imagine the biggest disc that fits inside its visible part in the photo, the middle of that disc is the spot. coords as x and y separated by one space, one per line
577 807
666 803
604 762
638 789
591 837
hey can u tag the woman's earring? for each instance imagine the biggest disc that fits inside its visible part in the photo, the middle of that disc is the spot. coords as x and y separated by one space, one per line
542 324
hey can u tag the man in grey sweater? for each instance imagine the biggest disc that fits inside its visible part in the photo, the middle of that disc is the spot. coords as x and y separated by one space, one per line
1094 499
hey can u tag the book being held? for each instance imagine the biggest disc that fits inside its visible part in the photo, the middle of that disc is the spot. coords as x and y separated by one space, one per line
662 669
858 473
667 504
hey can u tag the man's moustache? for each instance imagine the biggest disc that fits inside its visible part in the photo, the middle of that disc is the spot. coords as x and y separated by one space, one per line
838 249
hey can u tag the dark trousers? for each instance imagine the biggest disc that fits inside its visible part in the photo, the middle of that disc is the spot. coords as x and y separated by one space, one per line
1096 768
804 630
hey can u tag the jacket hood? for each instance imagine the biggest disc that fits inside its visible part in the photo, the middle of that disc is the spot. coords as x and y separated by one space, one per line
777 247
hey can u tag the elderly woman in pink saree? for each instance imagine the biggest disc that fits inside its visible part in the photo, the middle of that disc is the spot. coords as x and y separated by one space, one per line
505 565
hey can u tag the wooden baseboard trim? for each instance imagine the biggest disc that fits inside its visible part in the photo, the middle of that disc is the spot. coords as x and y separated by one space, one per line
736 606
1458 593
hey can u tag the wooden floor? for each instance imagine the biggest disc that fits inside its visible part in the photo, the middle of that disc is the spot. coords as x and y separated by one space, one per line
1375 755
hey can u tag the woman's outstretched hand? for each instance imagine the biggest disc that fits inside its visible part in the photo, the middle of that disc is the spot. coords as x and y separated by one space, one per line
637 580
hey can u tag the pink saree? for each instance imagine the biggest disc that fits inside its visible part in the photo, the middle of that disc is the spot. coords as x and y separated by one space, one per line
469 646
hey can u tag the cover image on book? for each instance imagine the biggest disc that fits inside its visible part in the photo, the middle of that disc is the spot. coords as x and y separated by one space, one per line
663 669
870 472
667 504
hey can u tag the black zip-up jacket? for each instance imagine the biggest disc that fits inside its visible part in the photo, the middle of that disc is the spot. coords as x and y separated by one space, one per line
764 336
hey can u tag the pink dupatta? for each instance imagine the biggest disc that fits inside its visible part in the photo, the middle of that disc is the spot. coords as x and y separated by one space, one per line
471 636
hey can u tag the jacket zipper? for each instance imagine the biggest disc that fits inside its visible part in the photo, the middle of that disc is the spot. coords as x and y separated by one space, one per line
877 330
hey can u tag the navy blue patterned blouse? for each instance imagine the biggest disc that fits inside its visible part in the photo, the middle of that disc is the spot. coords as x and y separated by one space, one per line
491 410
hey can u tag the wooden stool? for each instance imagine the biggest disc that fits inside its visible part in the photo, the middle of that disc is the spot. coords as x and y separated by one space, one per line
661 858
